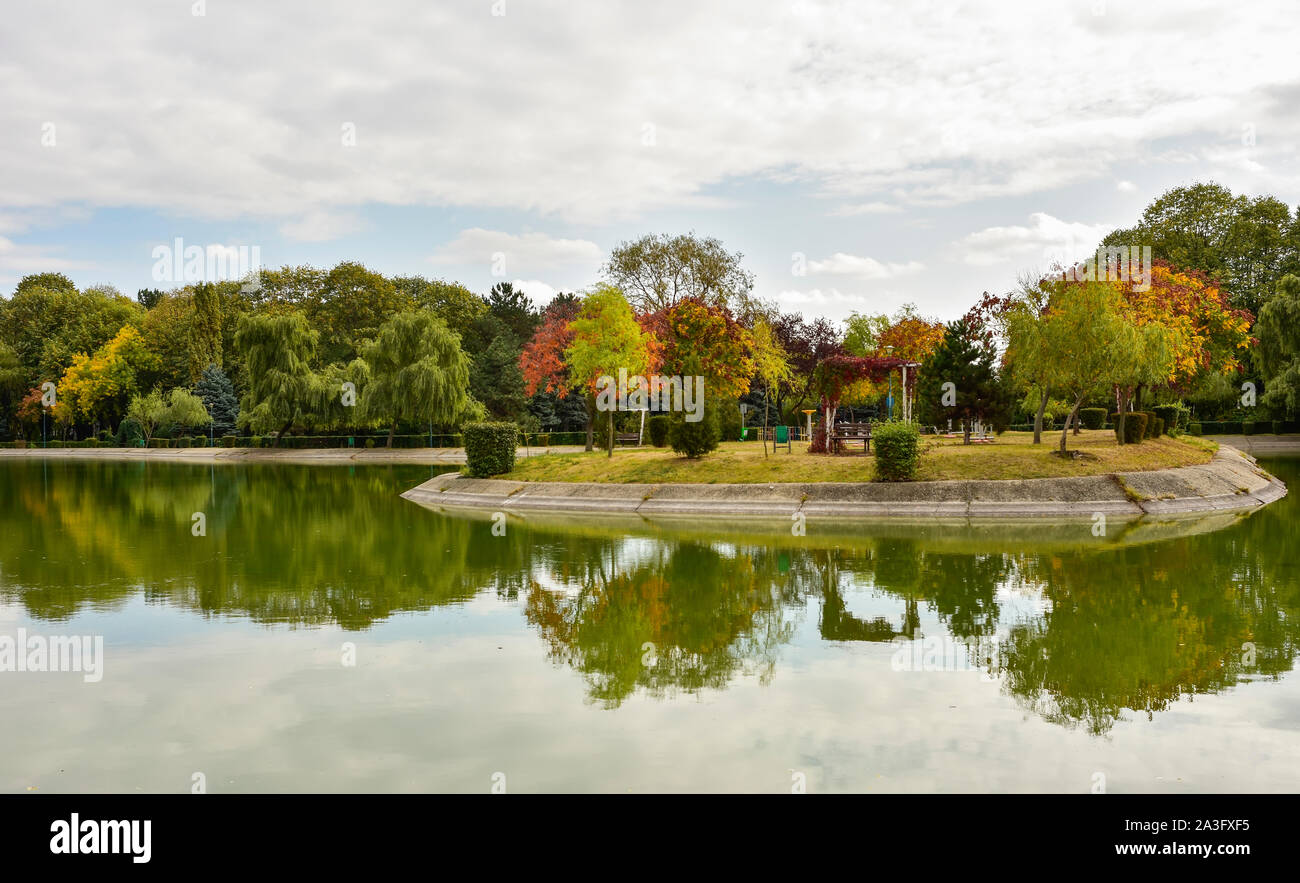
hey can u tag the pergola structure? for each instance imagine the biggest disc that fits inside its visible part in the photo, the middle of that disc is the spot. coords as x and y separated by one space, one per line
837 374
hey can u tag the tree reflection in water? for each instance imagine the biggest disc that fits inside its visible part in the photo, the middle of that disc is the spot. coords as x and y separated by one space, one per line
1116 628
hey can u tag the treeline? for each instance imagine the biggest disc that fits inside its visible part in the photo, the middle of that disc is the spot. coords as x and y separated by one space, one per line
306 350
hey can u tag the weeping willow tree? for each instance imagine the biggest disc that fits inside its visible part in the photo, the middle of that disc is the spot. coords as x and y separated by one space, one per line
277 360
418 373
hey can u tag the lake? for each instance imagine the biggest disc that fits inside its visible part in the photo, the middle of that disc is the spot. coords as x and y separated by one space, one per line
303 628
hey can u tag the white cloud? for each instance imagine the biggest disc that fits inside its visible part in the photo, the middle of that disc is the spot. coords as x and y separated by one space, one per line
538 292
508 253
17 259
1045 241
840 264
1126 187
320 226
218 116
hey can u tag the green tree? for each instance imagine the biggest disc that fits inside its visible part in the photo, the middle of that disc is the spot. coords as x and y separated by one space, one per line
1073 345
606 337
1278 330
218 395
656 271
1247 244
959 379
771 364
205 344
277 353
419 373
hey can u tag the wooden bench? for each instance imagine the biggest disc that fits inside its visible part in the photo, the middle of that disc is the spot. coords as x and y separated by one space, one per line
850 433
627 438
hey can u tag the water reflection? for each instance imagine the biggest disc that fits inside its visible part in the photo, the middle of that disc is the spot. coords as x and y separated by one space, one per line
1085 632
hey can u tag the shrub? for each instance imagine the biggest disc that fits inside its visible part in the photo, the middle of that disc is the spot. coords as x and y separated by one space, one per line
694 440
200 441
490 448
898 451
660 425
228 441
129 433
1135 426
104 435
1092 418
159 442
1169 414
370 443
255 441
1277 427
1194 428
729 420
1159 427
1231 427
182 441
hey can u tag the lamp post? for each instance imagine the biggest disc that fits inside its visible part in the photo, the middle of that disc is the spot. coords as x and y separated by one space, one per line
809 412
890 400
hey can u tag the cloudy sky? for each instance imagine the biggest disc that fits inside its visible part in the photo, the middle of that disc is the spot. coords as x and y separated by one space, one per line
860 155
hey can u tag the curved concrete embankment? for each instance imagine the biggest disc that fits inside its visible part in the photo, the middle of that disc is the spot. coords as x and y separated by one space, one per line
1231 480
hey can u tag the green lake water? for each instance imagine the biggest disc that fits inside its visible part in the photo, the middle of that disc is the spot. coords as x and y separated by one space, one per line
327 635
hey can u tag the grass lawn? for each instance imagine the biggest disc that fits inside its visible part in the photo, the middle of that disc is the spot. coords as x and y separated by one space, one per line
1012 455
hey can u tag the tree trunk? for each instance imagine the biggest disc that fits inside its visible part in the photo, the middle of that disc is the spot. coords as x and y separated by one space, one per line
965 430
280 435
1074 415
591 427
765 424
392 430
611 434
1038 418
1123 407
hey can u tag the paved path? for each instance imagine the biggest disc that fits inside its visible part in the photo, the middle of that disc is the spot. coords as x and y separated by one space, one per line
1261 445
307 456
1230 481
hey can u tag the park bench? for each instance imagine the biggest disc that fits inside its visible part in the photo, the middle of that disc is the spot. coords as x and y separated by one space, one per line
627 438
850 433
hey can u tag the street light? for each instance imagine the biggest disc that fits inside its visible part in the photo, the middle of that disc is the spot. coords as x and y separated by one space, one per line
890 400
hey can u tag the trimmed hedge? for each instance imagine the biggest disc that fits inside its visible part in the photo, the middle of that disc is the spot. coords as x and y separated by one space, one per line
1248 427
1159 430
1169 414
1278 427
1135 426
1194 428
228 441
898 451
159 442
660 425
490 448
1092 418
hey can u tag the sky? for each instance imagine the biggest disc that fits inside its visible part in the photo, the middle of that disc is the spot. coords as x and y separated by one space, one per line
861 156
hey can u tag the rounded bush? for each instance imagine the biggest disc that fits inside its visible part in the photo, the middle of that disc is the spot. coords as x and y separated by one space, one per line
659 426
1194 428
255 441
490 448
229 441
1092 418
694 440
370 443
181 442
1159 427
898 451
1135 426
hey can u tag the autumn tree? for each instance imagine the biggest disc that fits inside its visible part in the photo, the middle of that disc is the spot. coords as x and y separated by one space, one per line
771 365
606 337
